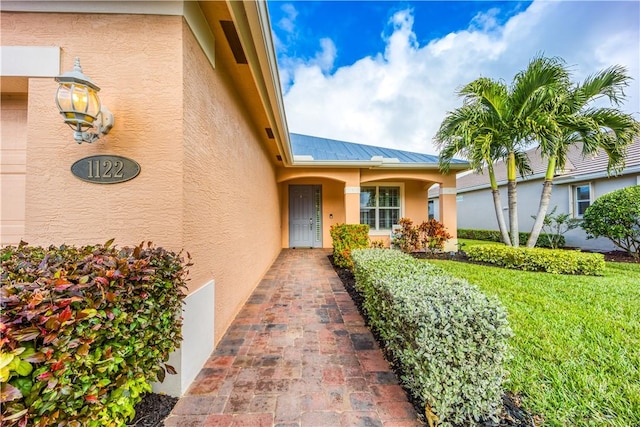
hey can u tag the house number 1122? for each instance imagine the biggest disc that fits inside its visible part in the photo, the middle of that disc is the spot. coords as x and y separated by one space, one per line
105 169
108 167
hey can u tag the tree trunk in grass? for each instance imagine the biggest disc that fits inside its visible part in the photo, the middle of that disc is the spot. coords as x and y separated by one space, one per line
545 198
513 200
497 203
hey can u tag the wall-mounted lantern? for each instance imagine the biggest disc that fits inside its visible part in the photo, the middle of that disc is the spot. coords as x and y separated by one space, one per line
78 102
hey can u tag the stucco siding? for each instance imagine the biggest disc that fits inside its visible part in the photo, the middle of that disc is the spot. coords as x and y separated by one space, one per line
231 200
13 157
476 210
415 202
135 60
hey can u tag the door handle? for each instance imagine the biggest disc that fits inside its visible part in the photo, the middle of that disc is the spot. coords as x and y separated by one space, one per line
310 223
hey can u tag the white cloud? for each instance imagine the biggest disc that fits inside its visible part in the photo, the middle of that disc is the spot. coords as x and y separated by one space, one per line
398 97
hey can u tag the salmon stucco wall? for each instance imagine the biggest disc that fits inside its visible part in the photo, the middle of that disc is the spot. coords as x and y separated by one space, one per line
13 157
415 204
136 61
231 201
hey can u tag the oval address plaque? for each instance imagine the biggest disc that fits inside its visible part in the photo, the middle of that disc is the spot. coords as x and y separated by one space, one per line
105 169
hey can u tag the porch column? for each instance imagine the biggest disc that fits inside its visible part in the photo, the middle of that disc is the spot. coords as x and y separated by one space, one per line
448 212
352 204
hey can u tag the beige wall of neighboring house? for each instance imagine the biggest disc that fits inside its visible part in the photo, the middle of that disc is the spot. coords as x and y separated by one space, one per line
475 208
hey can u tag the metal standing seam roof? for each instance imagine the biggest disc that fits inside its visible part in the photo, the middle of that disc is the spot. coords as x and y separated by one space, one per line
323 149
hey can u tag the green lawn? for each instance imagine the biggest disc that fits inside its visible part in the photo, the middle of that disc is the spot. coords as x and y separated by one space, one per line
576 349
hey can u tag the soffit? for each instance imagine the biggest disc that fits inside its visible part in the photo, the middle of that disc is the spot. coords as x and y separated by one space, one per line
240 74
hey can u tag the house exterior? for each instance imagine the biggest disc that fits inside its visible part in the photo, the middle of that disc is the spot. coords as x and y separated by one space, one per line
195 93
582 181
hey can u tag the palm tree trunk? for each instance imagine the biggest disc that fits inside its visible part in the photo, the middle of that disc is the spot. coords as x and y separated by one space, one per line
512 196
497 203
545 198
500 216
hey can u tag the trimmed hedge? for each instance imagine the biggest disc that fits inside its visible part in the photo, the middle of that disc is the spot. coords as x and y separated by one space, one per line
347 237
557 261
84 330
449 339
495 236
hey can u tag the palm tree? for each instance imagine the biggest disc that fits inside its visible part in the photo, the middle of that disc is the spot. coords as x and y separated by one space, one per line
573 120
497 122
463 132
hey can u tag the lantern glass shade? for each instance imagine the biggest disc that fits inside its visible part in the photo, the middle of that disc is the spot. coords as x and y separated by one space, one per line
78 103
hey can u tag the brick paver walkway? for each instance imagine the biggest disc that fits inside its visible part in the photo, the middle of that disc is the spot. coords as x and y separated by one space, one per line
298 354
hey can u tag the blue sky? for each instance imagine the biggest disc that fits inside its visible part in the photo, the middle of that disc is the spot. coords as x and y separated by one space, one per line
385 73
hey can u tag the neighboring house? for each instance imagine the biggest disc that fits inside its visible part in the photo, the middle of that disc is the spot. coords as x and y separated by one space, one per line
582 181
194 89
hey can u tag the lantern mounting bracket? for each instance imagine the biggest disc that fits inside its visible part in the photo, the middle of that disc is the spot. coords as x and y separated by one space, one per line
104 123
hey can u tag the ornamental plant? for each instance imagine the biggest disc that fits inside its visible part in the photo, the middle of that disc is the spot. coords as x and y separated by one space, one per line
433 234
557 261
429 235
406 238
556 225
449 339
544 239
84 329
616 216
347 237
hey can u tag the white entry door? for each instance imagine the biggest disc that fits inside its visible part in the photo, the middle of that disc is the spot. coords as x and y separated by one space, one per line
305 214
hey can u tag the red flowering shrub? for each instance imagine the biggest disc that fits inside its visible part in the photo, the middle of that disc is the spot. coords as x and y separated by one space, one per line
84 330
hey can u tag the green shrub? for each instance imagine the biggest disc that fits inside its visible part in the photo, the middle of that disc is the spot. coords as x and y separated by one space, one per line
616 216
84 330
544 240
449 339
347 237
557 261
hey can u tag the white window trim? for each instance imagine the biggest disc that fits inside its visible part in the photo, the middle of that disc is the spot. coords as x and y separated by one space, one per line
373 232
574 200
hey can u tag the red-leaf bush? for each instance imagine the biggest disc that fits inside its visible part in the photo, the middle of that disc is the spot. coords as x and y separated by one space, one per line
84 329
429 235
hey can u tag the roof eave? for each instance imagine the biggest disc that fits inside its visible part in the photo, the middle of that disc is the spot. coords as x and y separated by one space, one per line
264 65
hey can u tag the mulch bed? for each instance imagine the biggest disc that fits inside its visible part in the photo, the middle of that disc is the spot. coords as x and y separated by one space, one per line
152 410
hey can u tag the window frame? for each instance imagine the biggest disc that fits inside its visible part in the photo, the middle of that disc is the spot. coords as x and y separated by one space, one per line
574 198
431 208
378 231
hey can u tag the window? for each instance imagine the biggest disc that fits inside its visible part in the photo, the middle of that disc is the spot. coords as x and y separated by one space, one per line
581 199
431 209
380 206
